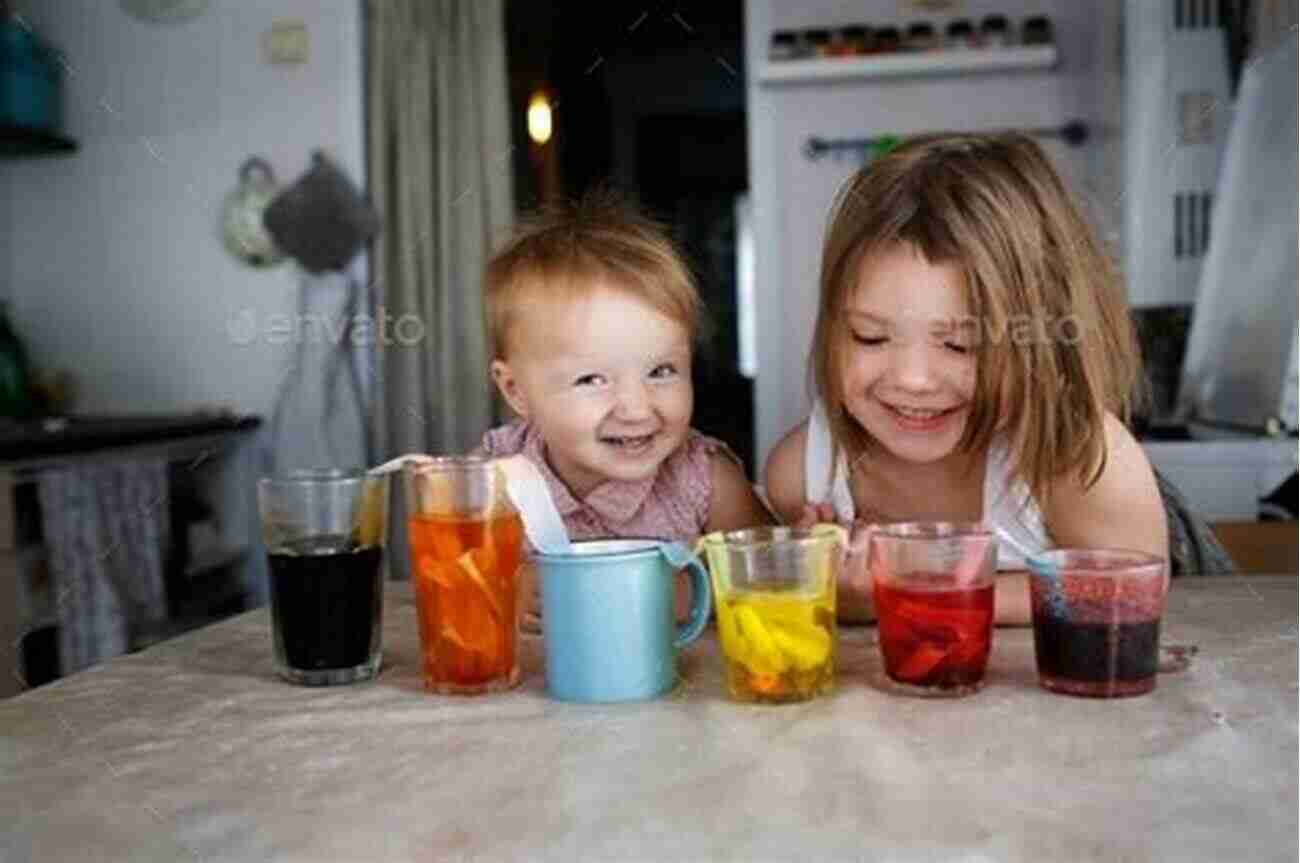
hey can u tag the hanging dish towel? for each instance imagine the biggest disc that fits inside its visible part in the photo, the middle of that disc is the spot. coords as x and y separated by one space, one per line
106 534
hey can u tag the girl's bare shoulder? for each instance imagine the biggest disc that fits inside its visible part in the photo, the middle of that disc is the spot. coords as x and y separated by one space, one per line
1121 509
783 477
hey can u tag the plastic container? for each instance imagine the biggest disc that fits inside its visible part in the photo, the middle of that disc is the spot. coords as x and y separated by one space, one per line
30 80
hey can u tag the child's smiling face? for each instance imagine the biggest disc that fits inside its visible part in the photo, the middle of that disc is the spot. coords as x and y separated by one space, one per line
908 359
607 380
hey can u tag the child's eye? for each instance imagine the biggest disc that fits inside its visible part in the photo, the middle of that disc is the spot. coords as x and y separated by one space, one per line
591 380
664 370
957 348
869 341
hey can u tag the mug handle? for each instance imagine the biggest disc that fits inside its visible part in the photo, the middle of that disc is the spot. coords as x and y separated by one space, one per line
679 556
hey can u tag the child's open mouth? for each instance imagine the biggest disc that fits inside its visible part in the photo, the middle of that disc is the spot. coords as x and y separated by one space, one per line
920 420
629 443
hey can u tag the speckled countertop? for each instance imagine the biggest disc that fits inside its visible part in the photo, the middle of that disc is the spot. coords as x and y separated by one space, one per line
194 750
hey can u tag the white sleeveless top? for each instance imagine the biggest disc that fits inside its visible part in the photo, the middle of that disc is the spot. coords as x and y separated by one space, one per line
1009 510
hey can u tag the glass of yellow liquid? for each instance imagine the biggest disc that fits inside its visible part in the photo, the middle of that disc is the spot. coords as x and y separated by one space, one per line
774 588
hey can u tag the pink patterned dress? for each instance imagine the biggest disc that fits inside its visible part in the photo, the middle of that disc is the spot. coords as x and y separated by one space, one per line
671 505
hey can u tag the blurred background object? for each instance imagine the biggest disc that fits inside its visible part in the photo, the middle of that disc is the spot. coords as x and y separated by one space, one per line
15 375
321 416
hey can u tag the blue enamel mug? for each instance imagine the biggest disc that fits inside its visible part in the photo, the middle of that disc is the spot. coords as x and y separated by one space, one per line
607 618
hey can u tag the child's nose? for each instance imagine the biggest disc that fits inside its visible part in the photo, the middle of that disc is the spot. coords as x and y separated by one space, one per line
912 366
633 402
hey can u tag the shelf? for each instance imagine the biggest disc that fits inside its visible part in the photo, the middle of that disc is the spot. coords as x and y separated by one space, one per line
213 561
22 141
920 65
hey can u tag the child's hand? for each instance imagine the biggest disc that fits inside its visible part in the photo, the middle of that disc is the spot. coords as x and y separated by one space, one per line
853 592
530 599
815 513
853 600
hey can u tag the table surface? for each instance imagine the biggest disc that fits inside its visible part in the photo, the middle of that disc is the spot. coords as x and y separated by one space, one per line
194 750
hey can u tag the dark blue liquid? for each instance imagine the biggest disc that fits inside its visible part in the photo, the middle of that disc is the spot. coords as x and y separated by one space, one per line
327 605
1096 652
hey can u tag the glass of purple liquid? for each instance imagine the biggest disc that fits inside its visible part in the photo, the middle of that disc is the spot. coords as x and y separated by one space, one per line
1096 616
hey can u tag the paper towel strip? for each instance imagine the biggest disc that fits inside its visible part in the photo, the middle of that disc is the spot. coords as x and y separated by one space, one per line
527 490
396 463
542 522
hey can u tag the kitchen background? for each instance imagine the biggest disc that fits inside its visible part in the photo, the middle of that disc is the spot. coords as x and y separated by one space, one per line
113 268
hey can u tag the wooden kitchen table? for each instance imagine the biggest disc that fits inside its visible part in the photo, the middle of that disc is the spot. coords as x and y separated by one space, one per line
194 750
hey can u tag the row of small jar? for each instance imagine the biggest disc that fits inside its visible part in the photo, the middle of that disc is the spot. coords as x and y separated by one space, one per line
994 31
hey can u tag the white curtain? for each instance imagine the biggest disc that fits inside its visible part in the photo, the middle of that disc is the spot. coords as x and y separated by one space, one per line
440 176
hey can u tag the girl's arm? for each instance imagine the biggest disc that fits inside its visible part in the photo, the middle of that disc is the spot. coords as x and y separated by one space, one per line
734 505
1011 599
785 489
783 477
1122 509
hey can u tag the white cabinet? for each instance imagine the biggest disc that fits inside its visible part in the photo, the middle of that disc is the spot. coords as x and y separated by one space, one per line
1223 480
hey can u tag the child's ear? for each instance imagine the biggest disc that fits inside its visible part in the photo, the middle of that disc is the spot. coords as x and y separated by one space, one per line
508 385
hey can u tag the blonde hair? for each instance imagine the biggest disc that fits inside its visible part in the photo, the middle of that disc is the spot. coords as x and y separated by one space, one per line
993 207
566 250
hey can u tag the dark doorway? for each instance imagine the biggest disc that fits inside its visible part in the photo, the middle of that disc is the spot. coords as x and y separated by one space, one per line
650 100
691 170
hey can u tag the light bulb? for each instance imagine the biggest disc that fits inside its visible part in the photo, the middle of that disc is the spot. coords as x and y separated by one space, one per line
539 118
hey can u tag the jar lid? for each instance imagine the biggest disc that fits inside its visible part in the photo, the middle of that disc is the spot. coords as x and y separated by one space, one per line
994 22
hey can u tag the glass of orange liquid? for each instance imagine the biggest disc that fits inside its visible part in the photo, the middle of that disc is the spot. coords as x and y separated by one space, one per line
466 543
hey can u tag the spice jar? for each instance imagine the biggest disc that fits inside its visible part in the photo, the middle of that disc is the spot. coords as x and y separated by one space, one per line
887 40
994 32
784 46
818 42
1037 30
920 37
856 41
960 35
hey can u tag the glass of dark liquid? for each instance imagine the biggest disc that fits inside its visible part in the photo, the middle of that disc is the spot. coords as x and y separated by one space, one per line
1097 620
325 532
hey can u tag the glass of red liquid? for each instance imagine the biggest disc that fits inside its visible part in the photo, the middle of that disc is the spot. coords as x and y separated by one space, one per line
1097 620
933 587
